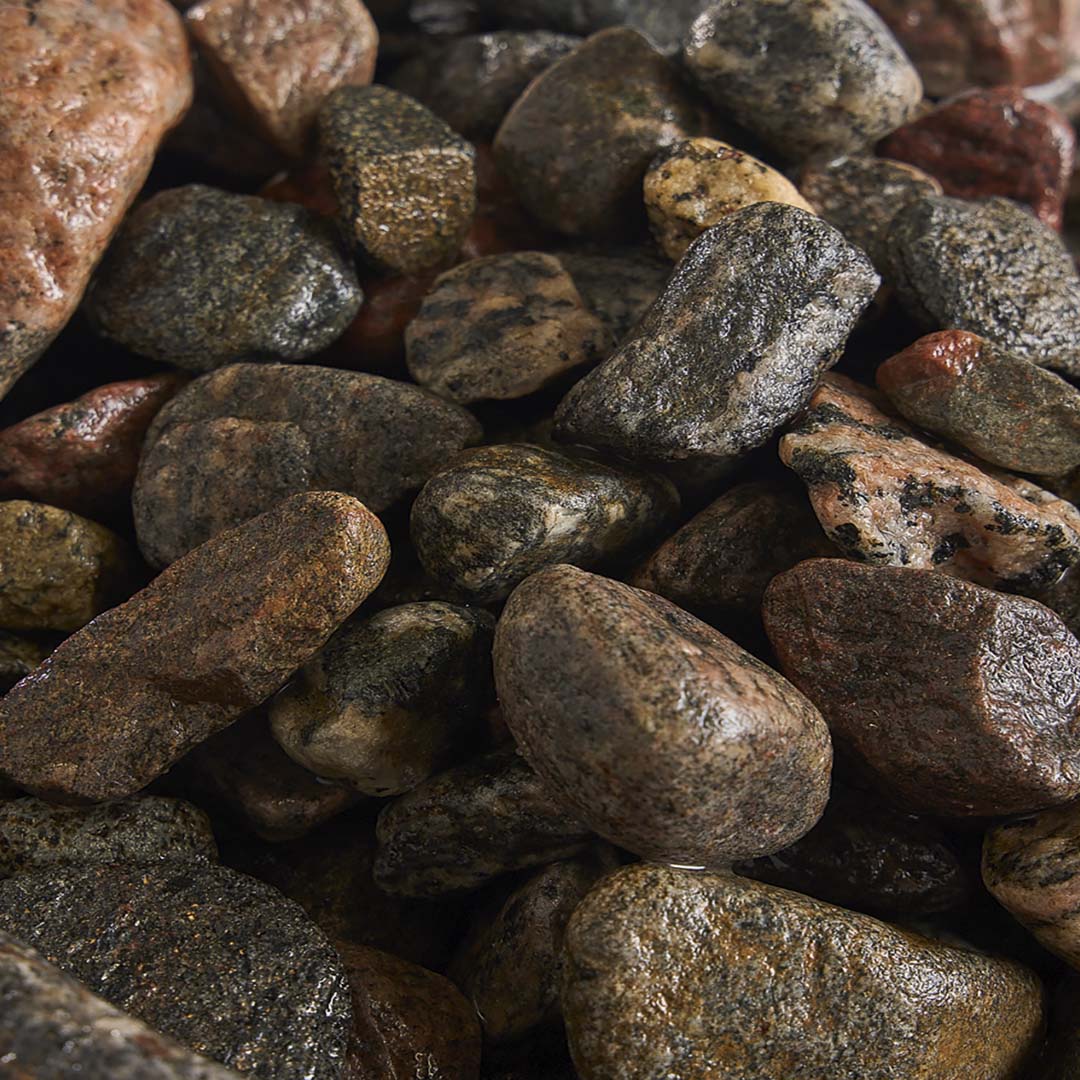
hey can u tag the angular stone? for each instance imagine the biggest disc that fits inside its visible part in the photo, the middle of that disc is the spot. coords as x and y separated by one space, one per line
576 144
75 148
886 498
57 570
199 277
740 967
239 440
992 268
405 182
18 657
278 62
220 962
719 757
956 699
211 637
1002 408
499 513
460 829
811 79
758 307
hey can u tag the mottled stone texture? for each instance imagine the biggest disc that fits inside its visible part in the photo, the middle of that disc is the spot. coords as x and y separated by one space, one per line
405 182
52 1026
276 62
215 634
758 307
957 699
759 982
75 148
576 144
718 757
221 962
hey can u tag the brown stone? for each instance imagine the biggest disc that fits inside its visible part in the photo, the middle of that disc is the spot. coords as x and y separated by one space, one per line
277 62
75 147
207 640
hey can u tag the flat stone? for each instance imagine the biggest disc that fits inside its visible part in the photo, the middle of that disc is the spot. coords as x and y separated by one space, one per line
956 699
75 149
18 657
991 268
468 825
218 961
498 513
210 638
694 185
1000 407
277 63
405 182
719 757
815 79
756 310
57 570
993 142
886 498
200 277
239 440
740 967
576 144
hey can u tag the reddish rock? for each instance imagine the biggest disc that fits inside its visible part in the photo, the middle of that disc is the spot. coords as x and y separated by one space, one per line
993 142
87 91
308 186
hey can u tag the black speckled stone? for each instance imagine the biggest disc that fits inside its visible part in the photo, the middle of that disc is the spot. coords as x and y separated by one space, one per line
758 307
199 277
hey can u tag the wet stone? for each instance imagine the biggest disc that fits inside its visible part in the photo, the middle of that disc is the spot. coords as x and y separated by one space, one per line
218 961
652 933
18 657
199 277
747 781
811 79
884 497
498 513
576 144
756 310
210 638
994 732
405 182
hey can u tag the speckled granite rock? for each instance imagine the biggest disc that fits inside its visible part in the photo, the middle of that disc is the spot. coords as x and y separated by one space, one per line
695 184
221 962
992 268
199 277
498 513
820 78
18 657
719 758
462 828
886 498
1002 408
391 699
276 63
405 183
72 140
207 640
576 144
991 732
239 440
52 1026
758 307
57 570
740 967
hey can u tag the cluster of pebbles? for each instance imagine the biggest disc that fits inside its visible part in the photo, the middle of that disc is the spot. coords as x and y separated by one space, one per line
539 540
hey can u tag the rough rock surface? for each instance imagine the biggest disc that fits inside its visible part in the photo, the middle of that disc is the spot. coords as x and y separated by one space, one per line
200 277
994 732
719 758
728 957
75 148
758 307
214 635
